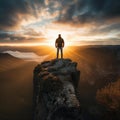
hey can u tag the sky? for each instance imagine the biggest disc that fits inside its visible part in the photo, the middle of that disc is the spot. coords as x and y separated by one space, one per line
78 21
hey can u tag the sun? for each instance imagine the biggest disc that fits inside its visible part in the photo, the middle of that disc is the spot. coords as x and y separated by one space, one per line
52 39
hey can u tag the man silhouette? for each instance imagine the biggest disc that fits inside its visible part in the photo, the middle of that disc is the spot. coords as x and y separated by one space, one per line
59 44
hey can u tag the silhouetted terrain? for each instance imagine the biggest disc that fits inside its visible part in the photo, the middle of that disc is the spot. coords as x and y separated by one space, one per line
99 66
15 88
7 62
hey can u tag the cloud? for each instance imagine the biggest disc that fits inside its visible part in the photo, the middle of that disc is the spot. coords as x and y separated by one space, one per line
13 12
28 35
104 30
89 10
32 32
35 20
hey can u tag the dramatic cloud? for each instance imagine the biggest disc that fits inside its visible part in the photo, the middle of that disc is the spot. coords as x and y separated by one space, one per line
12 11
26 35
90 10
77 20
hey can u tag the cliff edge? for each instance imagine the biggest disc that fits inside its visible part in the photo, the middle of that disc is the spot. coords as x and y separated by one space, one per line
55 90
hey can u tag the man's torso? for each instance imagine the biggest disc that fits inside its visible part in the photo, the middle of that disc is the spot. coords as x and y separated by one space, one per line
59 41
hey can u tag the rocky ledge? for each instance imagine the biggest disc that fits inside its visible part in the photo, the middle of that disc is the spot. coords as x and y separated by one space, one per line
55 90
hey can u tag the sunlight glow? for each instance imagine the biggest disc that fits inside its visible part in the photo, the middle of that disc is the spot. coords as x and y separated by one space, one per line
23 44
49 43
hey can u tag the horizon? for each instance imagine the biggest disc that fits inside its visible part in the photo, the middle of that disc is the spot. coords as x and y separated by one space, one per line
53 45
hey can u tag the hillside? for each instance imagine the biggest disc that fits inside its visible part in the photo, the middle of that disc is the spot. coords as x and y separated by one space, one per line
15 88
8 62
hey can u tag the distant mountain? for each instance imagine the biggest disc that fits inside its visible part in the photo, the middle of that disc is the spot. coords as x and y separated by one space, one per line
15 88
8 56
7 61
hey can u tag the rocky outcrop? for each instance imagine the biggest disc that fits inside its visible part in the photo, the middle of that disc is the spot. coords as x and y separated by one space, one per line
55 90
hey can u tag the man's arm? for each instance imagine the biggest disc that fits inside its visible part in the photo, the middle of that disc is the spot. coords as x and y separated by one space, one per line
63 43
56 43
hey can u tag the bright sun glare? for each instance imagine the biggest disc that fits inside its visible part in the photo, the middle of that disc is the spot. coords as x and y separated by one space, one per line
52 36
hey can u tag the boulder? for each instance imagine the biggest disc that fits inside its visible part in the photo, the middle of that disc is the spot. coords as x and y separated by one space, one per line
55 90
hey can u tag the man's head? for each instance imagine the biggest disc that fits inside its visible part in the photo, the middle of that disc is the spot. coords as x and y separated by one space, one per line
59 35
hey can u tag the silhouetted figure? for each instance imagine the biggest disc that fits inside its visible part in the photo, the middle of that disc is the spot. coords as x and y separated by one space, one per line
59 44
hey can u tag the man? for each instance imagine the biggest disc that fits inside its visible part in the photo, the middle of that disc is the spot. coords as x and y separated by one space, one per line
59 44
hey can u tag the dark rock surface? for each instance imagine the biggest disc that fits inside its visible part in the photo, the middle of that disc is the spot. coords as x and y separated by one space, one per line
55 90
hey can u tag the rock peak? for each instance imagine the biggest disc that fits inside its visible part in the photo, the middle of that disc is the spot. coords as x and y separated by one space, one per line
55 90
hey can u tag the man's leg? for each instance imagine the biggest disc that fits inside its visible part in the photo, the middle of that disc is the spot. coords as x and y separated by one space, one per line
61 52
57 52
